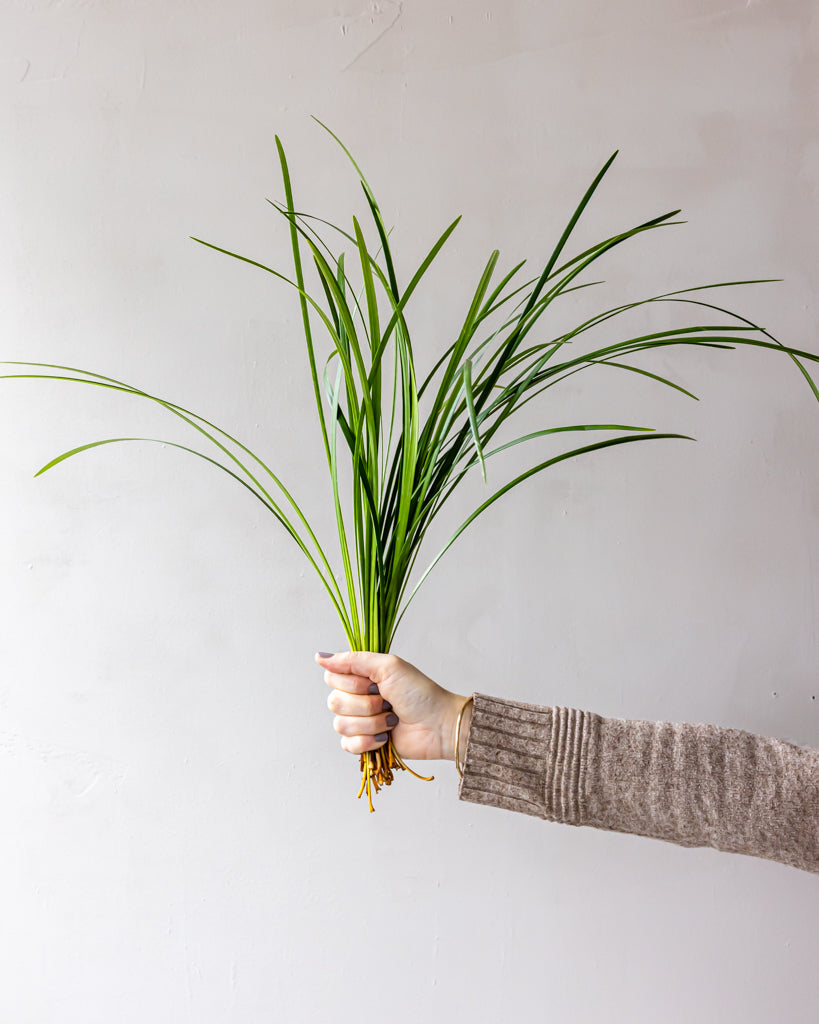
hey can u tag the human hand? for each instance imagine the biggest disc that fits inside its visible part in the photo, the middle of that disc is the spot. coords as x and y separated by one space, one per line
374 694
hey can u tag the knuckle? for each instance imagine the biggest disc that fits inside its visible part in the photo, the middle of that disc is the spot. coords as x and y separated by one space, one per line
352 744
331 700
339 725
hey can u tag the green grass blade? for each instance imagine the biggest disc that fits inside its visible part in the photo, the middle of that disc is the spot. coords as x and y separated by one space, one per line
518 480
369 285
400 306
305 313
473 420
383 236
225 469
98 380
342 532
750 324
645 373
568 429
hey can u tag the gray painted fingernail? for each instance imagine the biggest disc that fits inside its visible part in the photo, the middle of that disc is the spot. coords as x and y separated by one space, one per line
373 688
381 737
325 654
386 706
392 720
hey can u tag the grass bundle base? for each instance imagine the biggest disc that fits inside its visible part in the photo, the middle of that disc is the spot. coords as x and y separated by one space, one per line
377 768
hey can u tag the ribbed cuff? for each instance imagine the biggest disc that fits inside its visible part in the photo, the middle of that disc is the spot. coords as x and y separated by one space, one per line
527 758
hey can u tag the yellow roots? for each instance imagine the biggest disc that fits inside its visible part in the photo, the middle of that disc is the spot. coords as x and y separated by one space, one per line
377 770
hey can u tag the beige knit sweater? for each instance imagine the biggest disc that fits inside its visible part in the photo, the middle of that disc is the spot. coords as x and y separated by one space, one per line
695 785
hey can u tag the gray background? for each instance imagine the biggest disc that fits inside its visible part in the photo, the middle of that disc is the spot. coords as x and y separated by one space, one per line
180 836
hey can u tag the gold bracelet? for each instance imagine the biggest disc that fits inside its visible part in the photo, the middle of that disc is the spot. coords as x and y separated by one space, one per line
458 737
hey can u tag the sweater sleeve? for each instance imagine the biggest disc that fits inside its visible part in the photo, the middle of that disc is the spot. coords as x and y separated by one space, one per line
694 785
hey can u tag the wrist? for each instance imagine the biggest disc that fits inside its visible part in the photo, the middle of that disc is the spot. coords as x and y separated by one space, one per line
460 709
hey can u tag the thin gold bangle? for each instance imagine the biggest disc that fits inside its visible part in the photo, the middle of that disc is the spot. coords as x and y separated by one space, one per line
458 737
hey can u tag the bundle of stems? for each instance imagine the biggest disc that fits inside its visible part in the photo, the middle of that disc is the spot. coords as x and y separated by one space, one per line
405 443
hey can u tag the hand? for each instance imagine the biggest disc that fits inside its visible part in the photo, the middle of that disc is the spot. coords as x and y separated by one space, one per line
371 691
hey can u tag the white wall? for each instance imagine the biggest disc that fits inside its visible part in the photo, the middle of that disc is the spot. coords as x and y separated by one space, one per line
180 838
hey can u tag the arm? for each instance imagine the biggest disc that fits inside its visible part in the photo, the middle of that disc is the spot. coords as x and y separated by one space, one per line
694 785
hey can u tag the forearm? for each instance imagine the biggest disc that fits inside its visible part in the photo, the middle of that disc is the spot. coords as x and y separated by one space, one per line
694 785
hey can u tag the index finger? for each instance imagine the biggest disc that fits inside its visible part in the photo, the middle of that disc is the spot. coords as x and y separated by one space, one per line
360 663
350 683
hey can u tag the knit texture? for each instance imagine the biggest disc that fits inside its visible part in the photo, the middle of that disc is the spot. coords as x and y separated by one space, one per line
694 785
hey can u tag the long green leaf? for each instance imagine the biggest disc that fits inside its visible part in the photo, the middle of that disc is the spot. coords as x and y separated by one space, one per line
473 420
518 480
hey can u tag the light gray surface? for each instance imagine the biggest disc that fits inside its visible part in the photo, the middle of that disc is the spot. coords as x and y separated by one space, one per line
180 836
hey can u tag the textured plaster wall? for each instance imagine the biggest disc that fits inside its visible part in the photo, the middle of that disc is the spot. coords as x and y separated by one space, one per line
180 839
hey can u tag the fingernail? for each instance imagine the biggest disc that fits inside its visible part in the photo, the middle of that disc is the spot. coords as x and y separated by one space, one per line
381 737
386 706
373 688
392 720
325 654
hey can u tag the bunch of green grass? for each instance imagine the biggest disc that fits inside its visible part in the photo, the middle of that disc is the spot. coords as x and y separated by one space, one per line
402 466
